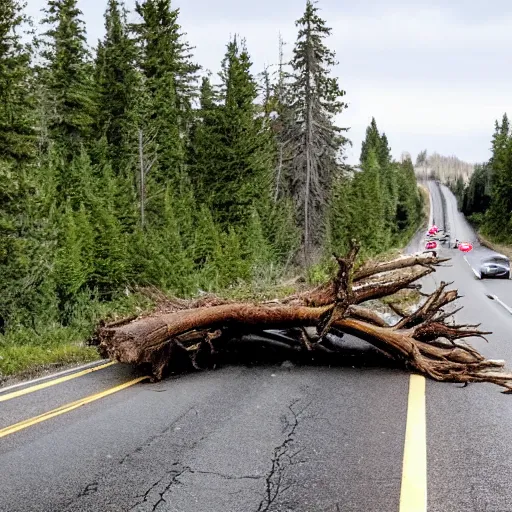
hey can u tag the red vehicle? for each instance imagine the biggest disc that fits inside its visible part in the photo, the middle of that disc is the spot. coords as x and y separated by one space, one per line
465 246
431 245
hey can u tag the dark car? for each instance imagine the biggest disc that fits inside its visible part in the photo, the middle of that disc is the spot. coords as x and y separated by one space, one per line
495 266
440 236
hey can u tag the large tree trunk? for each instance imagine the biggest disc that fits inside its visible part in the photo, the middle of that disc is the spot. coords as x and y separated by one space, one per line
194 333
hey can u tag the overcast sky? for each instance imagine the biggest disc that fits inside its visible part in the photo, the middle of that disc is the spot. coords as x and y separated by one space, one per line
434 76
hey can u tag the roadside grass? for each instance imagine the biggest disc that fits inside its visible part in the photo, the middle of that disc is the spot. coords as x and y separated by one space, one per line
501 248
426 204
26 353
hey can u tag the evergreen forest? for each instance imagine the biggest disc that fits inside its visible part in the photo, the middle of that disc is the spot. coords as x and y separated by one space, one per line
486 198
128 167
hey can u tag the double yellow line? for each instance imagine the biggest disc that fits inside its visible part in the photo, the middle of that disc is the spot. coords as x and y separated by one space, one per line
413 497
64 408
26 391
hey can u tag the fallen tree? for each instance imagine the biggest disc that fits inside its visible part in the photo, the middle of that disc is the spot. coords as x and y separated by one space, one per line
193 334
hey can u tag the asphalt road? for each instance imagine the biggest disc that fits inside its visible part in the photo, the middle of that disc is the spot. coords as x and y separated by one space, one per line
268 438
469 429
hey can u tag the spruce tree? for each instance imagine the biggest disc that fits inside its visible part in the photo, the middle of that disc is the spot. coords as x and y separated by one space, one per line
118 84
242 177
317 142
409 205
74 262
499 214
390 184
341 210
27 246
478 192
26 239
233 144
17 108
378 144
368 219
165 59
205 142
68 76
371 141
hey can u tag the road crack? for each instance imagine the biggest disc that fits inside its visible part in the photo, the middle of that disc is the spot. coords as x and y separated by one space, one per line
228 477
283 457
155 438
174 475
90 489
174 481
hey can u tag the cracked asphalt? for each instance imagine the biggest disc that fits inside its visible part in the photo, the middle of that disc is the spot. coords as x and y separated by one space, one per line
245 439
269 438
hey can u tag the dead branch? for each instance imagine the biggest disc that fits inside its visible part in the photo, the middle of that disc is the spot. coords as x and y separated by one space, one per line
427 260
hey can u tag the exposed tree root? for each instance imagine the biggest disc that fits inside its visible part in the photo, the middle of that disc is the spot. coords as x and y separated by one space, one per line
193 334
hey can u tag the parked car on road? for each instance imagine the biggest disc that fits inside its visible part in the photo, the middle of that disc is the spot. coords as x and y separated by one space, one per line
496 265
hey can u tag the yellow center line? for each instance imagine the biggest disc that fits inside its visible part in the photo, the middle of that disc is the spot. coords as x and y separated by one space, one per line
413 497
66 408
31 389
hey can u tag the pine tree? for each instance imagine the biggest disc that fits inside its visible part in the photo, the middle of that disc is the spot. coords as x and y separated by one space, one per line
233 144
68 77
499 214
17 108
165 59
118 84
315 98
205 142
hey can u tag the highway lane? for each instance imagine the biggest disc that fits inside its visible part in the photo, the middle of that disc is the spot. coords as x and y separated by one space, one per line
469 429
237 439
17 408
462 230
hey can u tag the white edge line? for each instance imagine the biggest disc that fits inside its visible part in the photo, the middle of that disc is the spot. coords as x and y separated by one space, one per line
53 375
495 297
474 271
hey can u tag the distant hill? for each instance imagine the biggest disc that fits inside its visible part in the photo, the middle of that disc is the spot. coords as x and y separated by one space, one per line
443 168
